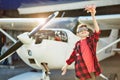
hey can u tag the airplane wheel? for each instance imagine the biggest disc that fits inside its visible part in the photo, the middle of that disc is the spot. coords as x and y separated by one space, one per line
113 77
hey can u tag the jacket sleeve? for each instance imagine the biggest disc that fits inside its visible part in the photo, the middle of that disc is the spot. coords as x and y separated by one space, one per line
95 36
71 59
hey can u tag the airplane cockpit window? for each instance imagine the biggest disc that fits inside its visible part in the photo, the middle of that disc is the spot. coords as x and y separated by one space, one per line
56 35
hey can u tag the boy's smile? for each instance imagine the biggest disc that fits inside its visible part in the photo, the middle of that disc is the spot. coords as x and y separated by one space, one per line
83 32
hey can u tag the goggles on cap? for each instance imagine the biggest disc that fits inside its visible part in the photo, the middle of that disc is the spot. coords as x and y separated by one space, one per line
83 28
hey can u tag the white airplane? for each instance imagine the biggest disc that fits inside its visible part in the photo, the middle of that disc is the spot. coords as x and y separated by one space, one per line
44 50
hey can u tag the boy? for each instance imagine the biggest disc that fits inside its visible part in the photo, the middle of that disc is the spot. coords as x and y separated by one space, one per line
84 53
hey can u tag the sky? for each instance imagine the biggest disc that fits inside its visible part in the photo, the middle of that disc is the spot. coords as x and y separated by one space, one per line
14 4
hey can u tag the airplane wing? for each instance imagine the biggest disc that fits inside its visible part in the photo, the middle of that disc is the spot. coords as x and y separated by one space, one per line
104 21
19 43
61 5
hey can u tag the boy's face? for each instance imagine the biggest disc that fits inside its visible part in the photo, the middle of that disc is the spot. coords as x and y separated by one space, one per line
83 32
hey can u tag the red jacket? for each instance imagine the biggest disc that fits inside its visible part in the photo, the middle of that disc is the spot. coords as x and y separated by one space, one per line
80 67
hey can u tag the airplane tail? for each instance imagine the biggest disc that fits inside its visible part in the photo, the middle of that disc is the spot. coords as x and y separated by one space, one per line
106 45
113 35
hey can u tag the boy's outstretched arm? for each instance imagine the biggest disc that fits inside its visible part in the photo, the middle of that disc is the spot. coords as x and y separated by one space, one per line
92 10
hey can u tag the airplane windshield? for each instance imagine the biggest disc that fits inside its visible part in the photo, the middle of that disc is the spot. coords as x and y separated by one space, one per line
56 35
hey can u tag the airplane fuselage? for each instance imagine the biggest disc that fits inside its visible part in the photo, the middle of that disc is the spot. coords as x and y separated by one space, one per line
49 50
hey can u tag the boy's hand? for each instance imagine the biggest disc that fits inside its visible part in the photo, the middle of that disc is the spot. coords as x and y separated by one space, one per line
64 69
91 9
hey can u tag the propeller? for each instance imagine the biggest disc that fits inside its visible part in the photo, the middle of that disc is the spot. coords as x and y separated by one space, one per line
18 44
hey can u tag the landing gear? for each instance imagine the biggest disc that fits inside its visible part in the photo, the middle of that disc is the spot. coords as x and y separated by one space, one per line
113 77
45 72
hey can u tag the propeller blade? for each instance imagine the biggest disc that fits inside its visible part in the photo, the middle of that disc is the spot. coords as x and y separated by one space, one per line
19 43
10 51
42 26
